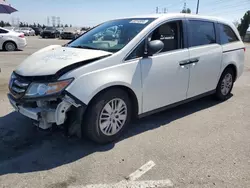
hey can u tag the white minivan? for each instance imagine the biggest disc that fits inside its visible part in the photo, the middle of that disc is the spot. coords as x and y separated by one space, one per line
96 84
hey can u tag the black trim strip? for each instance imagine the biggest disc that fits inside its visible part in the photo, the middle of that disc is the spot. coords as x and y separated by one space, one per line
233 50
78 101
176 104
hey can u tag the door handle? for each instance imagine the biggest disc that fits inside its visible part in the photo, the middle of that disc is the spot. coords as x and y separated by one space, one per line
182 63
195 60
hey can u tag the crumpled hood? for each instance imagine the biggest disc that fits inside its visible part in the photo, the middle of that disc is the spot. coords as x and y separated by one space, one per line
51 59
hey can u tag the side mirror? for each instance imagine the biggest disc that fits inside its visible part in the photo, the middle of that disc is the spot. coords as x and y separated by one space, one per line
154 47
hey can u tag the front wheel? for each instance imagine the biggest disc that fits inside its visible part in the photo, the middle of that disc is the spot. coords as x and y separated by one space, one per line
225 85
108 116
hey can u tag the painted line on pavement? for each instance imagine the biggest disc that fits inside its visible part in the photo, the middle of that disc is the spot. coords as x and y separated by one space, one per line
131 183
138 173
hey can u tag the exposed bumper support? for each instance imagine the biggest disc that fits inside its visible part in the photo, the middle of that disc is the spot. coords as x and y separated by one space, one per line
44 113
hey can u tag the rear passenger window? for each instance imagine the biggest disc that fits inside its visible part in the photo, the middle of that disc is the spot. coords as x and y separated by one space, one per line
3 31
201 33
227 35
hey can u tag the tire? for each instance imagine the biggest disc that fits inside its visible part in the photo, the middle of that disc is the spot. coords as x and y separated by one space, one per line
9 46
109 132
225 85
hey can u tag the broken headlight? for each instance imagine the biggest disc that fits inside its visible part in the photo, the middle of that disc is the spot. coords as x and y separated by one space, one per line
46 89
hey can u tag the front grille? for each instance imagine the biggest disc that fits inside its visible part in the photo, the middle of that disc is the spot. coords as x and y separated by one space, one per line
18 86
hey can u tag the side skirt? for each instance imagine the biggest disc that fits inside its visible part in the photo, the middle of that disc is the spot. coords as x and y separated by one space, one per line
176 104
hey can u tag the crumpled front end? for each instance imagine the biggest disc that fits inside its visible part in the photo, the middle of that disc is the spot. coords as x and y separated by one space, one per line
59 109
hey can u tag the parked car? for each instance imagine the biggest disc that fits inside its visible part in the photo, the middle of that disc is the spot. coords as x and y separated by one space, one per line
10 28
37 30
27 31
158 61
70 33
11 40
50 32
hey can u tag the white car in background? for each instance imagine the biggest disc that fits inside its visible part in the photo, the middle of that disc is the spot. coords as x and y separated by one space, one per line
27 31
11 40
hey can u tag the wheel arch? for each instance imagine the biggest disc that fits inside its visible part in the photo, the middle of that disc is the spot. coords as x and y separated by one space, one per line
126 89
3 47
234 68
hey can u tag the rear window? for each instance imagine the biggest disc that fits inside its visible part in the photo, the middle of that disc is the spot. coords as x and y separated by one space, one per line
227 35
3 31
201 33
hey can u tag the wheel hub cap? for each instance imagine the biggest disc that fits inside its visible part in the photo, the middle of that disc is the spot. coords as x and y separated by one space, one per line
226 84
113 116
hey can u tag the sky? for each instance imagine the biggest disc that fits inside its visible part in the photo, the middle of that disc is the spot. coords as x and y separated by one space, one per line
93 12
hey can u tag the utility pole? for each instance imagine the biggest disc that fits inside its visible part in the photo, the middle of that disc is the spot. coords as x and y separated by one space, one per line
197 9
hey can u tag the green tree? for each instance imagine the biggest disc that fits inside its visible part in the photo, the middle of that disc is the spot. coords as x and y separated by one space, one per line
7 24
66 25
186 10
244 24
2 24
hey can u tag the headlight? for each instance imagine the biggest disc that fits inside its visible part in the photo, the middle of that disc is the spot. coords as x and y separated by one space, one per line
45 89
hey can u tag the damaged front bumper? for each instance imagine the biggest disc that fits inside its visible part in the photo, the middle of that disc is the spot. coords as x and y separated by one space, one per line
49 111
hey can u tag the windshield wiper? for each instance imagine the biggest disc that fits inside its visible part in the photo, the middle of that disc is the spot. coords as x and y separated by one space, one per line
85 47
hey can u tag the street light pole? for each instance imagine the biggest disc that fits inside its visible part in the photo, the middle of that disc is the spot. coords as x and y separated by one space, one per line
197 9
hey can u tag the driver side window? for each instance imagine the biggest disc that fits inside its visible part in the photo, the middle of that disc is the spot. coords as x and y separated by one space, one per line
170 34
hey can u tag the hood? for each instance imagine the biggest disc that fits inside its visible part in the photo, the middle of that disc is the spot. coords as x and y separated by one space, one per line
50 60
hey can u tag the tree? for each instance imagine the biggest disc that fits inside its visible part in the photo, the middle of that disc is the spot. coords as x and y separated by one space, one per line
184 10
61 25
70 25
66 25
2 24
244 24
7 24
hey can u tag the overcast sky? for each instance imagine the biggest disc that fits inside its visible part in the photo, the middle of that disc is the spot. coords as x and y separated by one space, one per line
92 12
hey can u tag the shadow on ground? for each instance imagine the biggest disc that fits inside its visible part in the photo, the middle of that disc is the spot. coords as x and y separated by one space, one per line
24 148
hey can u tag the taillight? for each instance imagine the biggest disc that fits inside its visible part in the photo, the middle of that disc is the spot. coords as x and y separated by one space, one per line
21 36
244 49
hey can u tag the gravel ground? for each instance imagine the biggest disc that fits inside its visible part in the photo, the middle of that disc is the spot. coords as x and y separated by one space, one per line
199 144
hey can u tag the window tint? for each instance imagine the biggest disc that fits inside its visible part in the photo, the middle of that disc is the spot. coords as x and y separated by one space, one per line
227 35
3 31
201 33
170 34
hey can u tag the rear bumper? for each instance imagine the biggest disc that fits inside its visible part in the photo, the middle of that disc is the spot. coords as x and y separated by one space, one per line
21 43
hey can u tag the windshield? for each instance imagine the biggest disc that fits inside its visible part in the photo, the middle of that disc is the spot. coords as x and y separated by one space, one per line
111 36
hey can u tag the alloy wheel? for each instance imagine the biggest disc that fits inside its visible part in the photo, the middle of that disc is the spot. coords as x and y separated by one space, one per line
113 117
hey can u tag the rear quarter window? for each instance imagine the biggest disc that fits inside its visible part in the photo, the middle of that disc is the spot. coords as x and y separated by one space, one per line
227 35
3 31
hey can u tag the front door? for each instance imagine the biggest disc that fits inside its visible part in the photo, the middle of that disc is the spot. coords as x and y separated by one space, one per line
164 79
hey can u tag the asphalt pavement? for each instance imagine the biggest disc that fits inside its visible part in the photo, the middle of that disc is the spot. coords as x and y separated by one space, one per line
200 144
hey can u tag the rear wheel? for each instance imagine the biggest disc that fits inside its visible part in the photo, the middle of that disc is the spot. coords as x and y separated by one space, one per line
9 46
108 116
225 85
